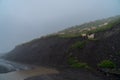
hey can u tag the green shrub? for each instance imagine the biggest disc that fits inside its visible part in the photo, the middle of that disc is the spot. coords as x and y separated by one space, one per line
74 63
107 64
79 65
72 60
79 44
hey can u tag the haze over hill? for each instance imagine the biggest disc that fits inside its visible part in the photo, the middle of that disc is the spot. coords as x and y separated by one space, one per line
23 20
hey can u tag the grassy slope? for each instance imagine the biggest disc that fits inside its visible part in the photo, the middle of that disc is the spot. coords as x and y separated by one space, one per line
98 24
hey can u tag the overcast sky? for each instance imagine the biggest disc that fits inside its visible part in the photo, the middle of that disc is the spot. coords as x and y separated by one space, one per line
24 20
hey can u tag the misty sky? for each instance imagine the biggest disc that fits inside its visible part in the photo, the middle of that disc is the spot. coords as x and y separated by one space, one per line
24 20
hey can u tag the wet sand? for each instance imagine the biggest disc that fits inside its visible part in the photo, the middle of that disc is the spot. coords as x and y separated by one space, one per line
21 75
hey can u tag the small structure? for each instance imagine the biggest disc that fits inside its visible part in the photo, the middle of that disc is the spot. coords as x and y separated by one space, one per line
105 23
86 29
84 35
62 33
93 28
91 36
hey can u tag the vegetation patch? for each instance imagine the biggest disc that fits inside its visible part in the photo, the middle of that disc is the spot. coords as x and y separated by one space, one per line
79 45
107 64
74 63
69 35
105 27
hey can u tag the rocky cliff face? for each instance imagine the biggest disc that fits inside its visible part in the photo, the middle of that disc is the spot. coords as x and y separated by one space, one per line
50 50
55 50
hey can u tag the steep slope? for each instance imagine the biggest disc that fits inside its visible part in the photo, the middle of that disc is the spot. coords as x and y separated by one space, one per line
55 50
49 50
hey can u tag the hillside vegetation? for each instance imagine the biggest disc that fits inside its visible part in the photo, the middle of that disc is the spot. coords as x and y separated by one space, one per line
91 27
94 45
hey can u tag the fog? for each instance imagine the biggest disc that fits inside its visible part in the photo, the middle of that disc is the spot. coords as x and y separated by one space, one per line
24 20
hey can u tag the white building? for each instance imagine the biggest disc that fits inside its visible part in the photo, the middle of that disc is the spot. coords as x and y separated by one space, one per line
91 36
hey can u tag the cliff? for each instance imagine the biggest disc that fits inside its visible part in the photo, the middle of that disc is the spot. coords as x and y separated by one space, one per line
57 49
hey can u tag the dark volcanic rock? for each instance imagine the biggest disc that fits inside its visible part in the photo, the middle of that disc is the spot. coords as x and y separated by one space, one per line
49 50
